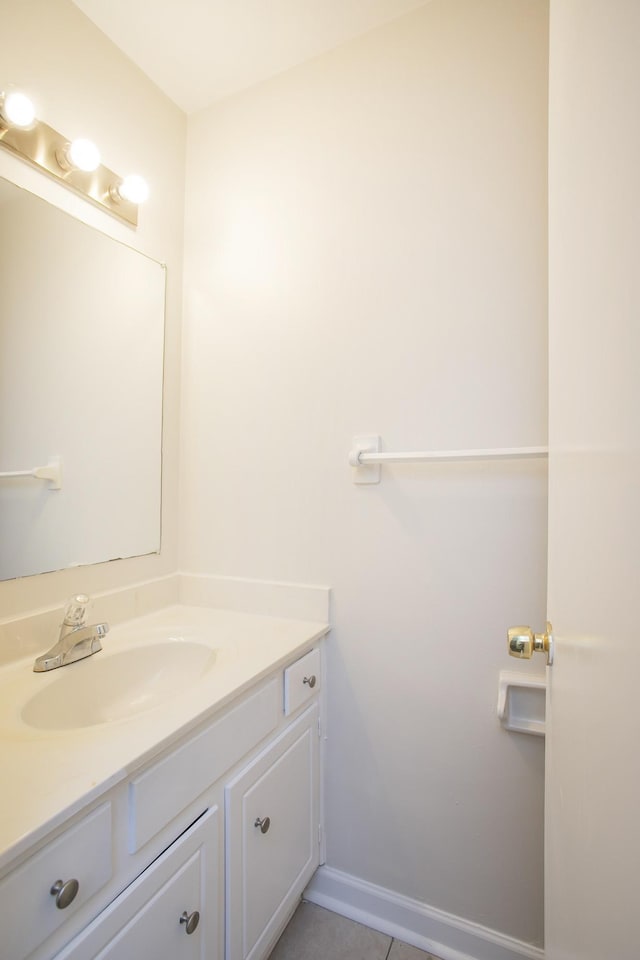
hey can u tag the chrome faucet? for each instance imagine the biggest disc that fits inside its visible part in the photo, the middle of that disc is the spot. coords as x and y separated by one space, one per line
77 640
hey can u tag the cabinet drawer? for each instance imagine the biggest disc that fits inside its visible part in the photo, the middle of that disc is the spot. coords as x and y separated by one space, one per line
28 911
164 790
301 681
144 922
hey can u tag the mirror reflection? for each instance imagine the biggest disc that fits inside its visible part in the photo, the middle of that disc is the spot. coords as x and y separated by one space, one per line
81 363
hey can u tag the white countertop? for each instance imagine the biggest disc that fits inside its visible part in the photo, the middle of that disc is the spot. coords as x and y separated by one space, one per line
48 775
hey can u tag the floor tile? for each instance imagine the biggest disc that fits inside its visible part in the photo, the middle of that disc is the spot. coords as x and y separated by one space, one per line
318 934
403 951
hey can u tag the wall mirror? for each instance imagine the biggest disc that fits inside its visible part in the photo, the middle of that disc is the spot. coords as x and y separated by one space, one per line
81 371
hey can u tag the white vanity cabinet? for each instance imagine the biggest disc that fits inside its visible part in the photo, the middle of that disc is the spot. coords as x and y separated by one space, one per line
200 854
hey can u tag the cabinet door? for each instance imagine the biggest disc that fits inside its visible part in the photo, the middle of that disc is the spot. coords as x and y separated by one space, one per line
272 838
145 920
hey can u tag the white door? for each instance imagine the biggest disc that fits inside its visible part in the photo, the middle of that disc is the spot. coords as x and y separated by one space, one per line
592 895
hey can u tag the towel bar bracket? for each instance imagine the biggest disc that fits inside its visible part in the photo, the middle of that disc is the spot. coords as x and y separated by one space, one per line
52 472
365 472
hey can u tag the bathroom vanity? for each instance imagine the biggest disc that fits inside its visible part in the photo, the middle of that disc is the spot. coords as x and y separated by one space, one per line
184 822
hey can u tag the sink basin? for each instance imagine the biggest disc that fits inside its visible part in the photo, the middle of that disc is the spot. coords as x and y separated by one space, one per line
108 687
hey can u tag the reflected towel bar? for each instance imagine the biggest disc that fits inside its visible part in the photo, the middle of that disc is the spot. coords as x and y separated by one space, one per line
51 472
366 456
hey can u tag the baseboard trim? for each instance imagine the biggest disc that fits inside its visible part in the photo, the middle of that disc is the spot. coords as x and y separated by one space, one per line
443 934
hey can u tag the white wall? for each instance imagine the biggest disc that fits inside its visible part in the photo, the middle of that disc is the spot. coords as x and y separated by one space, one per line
366 252
83 85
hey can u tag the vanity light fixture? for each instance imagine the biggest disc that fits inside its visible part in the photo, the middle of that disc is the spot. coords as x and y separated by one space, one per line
76 163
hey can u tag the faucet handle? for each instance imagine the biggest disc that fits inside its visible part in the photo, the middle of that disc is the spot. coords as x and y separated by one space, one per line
76 610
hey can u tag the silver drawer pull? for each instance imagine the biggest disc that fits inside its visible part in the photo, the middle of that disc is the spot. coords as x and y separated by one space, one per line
190 920
310 680
65 893
263 824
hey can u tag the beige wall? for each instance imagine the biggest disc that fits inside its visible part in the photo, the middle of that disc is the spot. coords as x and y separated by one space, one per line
83 85
366 252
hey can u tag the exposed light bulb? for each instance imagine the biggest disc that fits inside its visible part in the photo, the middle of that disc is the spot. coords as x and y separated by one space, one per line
133 188
83 155
79 155
17 109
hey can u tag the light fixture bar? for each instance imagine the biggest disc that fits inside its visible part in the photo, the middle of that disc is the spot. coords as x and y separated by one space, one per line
39 145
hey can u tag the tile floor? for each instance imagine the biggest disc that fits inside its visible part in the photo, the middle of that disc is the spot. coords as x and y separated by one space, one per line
317 934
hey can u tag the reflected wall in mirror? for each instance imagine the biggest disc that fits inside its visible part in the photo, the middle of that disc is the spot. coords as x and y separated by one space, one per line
81 364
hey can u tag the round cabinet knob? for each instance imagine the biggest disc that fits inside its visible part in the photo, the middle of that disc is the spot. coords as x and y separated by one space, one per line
65 893
310 680
191 921
263 824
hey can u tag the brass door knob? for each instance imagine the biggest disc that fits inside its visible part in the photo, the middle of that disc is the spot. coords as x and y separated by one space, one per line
522 643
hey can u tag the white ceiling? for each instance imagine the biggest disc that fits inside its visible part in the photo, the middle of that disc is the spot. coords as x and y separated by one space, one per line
198 51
